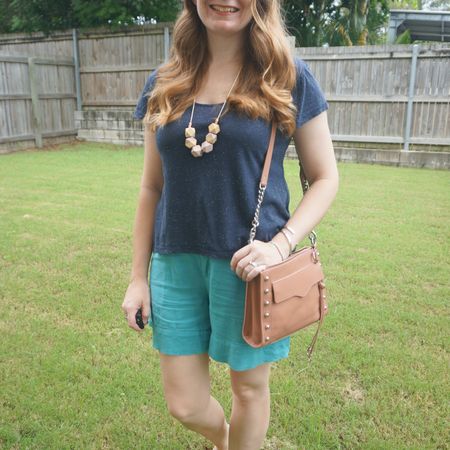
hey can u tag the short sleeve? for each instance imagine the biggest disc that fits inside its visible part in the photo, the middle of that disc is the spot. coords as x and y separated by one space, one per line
141 106
307 94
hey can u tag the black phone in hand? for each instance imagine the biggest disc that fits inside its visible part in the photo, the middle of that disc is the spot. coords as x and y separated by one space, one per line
139 321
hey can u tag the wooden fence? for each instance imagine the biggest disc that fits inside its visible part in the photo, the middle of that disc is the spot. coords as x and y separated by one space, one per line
392 94
37 97
89 70
393 97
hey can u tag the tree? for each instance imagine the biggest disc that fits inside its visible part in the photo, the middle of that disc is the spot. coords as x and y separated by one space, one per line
124 12
426 5
43 15
305 20
338 22
51 15
358 22
405 4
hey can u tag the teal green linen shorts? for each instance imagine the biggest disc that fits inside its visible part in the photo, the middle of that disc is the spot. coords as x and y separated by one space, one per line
197 306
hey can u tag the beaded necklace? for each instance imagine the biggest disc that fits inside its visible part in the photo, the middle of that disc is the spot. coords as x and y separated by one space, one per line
213 128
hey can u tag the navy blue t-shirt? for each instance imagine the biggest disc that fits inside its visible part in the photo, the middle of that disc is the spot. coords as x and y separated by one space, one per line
208 203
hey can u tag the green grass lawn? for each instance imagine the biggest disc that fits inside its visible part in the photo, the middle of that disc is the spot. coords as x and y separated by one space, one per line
73 375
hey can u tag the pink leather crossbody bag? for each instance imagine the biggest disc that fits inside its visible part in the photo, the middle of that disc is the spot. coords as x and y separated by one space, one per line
287 296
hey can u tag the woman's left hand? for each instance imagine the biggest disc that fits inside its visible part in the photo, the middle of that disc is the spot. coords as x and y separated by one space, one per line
260 253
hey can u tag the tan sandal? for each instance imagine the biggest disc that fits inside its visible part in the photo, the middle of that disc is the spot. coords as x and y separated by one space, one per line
228 430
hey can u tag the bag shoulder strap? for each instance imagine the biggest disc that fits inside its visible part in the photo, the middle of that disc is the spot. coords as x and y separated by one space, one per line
268 160
263 184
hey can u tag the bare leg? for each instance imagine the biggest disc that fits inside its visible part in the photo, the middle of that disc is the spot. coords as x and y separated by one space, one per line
187 392
251 408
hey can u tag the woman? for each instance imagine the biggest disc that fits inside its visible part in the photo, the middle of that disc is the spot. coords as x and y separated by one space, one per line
207 119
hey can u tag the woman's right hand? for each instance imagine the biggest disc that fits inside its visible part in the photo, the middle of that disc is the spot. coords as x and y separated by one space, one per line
137 296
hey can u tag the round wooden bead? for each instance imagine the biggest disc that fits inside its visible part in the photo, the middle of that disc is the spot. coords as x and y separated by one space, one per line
214 128
196 151
206 147
190 142
211 138
189 132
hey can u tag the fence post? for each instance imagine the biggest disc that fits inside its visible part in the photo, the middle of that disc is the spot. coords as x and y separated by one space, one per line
166 43
76 57
409 106
35 106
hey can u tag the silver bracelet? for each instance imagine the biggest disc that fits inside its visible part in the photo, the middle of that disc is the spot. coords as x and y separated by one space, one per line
278 248
289 229
293 234
288 239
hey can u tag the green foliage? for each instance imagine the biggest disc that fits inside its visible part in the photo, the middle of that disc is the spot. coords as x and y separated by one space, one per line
42 15
123 12
377 21
358 22
305 20
313 22
404 38
5 15
405 4
345 22
51 15
429 5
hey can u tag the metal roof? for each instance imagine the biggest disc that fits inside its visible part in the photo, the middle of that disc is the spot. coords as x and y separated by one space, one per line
423 25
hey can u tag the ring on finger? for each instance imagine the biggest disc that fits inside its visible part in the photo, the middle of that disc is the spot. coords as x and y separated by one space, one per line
253 263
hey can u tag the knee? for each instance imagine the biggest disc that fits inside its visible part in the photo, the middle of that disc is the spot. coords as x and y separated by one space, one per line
251 386
249 394
184 411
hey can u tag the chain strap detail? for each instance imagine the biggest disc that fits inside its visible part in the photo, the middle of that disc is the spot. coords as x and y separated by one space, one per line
262 187
255 222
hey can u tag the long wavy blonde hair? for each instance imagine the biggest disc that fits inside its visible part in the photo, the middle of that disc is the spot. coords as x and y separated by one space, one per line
264 86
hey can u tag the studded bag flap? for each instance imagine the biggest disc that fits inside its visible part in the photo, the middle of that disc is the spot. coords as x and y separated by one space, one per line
287 296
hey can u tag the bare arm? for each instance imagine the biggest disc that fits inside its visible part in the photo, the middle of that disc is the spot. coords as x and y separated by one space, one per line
151 186
138 294
315 149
